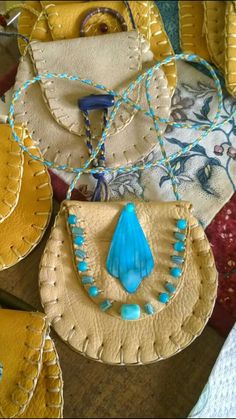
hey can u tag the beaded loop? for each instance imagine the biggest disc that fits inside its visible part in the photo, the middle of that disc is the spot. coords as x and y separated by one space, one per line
124 97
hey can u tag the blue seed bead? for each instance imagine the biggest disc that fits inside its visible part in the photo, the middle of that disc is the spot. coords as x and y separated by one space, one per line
164 298
130 311
180 236
82 266
181 224
170 287
149 308
79 240
94 291
80 253
177 259
179 246
72 219
105 305
77 231
87 280
176 272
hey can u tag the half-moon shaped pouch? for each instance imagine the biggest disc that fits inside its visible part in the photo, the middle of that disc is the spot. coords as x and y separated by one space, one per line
31 380
49 108
25 198
127 283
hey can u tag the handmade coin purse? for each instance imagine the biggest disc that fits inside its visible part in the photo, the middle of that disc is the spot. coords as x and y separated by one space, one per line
25 198
50 21
50 112
30 374
92 282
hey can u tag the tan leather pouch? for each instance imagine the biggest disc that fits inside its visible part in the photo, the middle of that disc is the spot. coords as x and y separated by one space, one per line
105 336
31 384
50 111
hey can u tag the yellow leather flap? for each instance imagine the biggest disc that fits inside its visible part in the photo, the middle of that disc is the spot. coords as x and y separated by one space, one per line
11 163
22 337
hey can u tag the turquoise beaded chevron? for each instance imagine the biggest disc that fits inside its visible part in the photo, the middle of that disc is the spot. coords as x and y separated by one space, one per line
130 258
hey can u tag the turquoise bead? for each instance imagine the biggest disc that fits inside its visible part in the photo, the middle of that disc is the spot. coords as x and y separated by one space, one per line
130 311
105 305
72 219
94 291
176 272
149 308
177 259
164 298
179 246
170 287
130 207
180 236
79 240
77 231
82 266
80 253
87 280
181 224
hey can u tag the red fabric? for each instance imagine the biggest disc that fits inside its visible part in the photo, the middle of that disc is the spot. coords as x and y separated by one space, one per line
221 234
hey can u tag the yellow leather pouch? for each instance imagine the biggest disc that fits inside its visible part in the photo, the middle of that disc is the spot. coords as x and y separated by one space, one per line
191 28
59 20
167 312
207 28
25 199
31 381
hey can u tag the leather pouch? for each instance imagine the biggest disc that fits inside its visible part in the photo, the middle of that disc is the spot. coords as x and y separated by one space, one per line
207 28
95 328
50 111
25 198
63 20
31 384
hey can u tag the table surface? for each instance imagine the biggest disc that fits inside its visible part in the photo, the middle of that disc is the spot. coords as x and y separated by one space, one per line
168 388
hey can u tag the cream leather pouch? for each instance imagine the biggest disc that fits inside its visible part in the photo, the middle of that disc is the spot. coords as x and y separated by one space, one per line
31 380
123 297
50 111
25 198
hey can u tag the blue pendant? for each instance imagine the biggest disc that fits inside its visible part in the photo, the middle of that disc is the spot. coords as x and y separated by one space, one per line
130 258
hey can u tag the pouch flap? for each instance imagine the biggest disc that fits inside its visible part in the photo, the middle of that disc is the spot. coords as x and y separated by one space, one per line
22 337
113 60
158 223
11 162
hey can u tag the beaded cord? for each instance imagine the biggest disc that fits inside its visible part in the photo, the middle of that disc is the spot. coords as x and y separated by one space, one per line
124 98
101 190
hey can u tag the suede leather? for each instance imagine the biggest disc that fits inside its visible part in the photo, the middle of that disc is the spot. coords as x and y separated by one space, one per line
214 18
131 137
32 384
61 20
191 25
105 336
11 158
24 227
207 28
